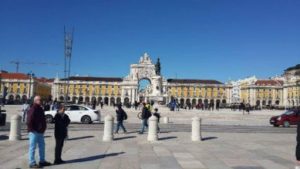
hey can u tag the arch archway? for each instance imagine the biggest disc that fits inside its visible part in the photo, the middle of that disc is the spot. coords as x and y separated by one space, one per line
24 98
181 102
112 101
194 102
18 99
106 100
126 101
144 89
61 98
270 102
258 103
87 99
119 100
200 101
74 99
263 102
80 100
99 99
224 101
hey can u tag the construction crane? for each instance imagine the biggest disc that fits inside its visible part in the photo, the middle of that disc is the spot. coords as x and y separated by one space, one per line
17 63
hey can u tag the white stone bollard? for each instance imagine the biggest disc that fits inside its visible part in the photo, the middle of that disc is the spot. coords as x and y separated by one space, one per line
196 129
15 128
166 120
108 128
152 131
297 167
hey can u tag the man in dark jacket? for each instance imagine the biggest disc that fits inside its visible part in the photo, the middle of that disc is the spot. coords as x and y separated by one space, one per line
36 124
145 116
61 121
157 115
121 116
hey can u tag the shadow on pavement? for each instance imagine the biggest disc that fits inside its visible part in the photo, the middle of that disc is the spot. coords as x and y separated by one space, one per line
131 132
92 158
79 138
28 138
123 138
3 137
208 138
167 138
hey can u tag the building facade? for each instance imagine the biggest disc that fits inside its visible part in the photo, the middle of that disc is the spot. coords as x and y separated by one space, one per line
281 91
127 90
18 87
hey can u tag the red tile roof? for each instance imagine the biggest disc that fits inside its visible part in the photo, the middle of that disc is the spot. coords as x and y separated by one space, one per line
20 76
269 83
87 78
194 81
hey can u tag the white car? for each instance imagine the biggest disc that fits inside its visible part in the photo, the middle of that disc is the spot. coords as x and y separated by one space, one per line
76 113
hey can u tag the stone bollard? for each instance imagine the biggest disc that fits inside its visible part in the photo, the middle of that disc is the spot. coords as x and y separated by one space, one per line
15 128
166 120
297 167
152 131
196 129
108 128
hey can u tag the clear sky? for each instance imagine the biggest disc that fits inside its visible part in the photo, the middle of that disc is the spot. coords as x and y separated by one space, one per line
203 39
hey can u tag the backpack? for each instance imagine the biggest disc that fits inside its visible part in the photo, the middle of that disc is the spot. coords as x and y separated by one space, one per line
125 115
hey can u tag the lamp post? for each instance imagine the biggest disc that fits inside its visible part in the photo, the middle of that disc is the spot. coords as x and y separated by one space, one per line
30 75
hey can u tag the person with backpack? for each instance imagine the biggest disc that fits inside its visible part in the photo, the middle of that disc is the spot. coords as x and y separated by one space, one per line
157 115
121 116
144 117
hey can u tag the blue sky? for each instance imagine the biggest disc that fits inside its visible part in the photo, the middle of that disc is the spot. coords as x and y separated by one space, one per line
203 39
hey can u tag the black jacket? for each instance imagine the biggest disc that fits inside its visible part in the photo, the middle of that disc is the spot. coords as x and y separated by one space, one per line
36 121
145 113
121 115
157 115
61 124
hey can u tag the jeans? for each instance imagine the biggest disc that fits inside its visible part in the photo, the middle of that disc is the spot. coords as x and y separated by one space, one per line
144 124
34 139
120 124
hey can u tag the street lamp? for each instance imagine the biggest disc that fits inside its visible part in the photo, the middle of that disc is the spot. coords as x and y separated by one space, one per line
30 75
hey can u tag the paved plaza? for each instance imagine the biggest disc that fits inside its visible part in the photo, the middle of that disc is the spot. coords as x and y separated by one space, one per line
227 146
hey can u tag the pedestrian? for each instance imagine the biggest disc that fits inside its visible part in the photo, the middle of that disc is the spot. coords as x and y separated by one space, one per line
145 116
94 104
121 116
61 121
101 104
157 115
36 125
217 106
25 109
136 104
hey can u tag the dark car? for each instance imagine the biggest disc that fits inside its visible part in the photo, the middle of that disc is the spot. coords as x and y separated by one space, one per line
290 117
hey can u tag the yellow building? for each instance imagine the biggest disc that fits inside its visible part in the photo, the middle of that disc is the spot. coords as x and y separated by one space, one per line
281 91
193 91
87 89
262 93
18 87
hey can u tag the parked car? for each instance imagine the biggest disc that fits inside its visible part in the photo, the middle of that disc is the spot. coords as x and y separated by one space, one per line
76 113
288 118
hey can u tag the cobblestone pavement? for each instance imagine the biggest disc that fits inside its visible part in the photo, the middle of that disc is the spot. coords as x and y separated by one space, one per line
174 150
230 141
